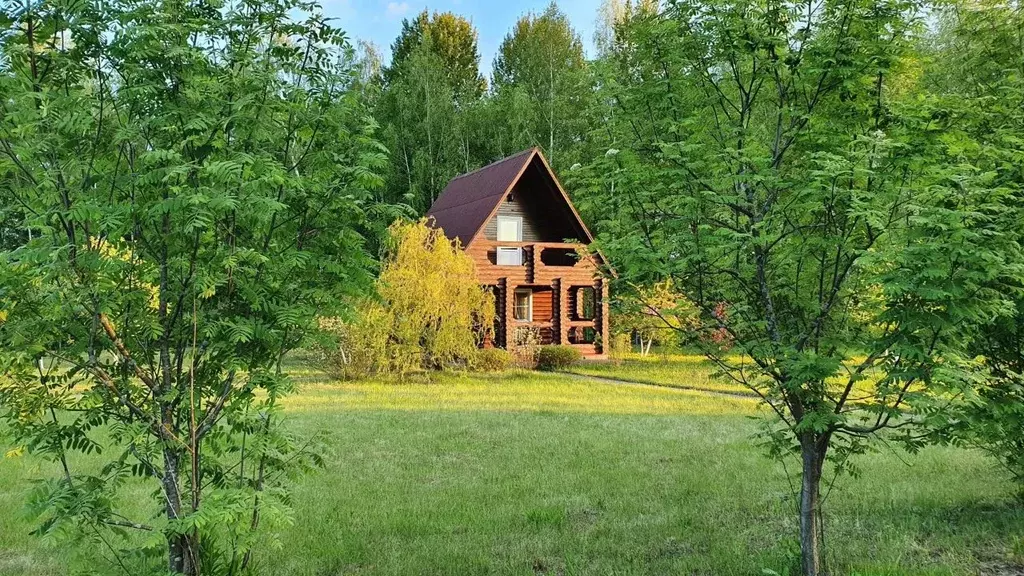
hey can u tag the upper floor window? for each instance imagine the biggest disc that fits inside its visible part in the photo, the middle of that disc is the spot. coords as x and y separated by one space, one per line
510 228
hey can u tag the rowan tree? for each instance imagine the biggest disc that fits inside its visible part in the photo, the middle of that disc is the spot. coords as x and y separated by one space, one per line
783 166
191 181
975 64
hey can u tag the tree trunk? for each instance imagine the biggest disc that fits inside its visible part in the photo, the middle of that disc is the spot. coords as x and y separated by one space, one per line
551 118
181 554
812 452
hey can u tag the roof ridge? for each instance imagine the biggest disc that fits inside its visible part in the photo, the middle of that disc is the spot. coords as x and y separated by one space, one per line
496 162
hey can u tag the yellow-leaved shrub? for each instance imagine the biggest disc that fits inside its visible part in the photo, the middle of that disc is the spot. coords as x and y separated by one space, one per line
429 310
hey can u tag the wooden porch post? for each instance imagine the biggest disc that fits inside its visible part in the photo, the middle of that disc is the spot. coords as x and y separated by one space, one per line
531 264
561 313
601 308
509 313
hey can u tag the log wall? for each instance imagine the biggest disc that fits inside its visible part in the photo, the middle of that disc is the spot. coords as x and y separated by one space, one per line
555 293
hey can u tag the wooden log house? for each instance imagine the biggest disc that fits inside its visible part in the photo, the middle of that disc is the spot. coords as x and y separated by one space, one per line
531 249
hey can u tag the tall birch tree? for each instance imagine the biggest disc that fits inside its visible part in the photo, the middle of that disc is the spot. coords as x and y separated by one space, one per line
543 58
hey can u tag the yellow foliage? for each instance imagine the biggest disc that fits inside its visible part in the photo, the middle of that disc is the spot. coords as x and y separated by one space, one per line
430 309
657 312
111 251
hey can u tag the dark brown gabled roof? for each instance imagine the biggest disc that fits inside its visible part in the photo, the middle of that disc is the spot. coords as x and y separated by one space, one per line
468 200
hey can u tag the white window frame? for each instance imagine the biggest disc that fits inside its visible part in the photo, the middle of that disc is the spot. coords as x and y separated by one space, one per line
517 260
517 220
529 304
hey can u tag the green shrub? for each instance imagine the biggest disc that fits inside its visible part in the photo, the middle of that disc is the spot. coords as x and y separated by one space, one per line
492 360
621 344
557 357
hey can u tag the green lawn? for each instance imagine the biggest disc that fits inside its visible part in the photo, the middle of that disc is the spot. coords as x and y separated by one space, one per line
545 474
675 370
694 372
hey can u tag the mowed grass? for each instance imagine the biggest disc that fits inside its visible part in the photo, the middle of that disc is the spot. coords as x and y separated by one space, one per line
686 371
525 473
695 372
516 391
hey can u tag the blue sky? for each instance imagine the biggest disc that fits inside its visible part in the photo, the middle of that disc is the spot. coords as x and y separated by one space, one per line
380 20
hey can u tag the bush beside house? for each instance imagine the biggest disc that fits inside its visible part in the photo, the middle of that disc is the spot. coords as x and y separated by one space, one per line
493 360
428 312
551 358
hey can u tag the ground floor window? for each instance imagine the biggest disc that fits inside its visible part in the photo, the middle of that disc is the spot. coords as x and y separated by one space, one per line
523 308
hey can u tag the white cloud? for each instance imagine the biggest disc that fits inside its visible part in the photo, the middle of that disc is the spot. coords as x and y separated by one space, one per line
397 9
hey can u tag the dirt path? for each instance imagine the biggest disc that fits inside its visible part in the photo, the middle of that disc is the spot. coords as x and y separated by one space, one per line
683 388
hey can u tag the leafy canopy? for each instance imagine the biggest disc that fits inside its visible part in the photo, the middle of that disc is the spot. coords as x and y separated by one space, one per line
187 184
542 58
452 39
783 159
973 64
